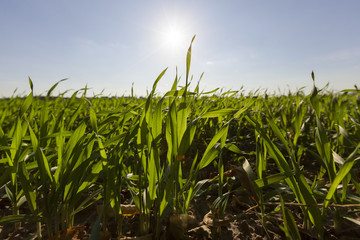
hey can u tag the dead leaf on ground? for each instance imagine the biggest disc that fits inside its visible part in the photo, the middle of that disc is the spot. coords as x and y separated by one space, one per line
126 210
145 237
73 233
210 220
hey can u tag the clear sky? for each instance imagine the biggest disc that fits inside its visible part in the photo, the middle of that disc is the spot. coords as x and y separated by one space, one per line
112 44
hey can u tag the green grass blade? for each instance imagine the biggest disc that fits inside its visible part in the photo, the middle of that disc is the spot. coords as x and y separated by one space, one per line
291 229
344 170
27 103
268 180
188 62
54 86
93 119
29 192
219 113
211 151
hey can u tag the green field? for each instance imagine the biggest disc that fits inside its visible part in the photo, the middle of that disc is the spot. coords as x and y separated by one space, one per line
289 160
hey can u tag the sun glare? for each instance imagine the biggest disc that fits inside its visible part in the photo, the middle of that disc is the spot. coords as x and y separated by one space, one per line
173 38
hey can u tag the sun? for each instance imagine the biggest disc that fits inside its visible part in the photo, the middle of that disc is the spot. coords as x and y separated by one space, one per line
173 38
170 36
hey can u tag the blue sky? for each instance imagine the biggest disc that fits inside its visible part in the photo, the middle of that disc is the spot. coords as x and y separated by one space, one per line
111 44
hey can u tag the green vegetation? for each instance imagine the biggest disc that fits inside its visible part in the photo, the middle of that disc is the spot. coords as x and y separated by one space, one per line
60 156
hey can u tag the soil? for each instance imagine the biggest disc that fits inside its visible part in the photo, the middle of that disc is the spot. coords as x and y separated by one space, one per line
242 220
